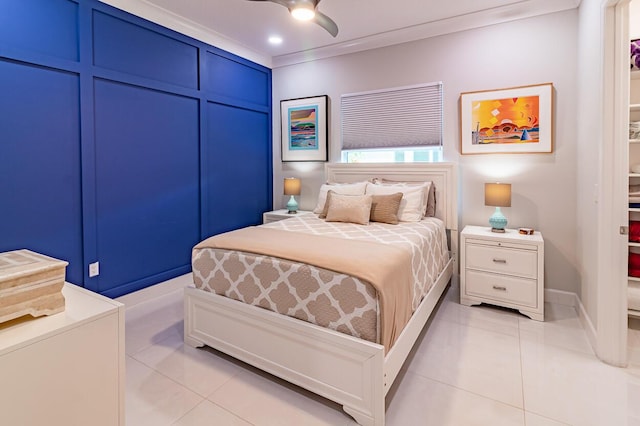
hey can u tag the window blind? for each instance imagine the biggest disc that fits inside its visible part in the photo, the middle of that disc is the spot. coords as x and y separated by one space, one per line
393 118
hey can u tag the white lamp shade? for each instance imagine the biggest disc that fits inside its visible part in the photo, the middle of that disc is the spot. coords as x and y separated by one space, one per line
497 194
292 186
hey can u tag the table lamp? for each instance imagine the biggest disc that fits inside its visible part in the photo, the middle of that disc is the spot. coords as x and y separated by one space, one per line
292 187
497 195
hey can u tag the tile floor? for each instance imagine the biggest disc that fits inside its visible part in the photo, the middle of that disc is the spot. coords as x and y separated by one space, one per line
471 366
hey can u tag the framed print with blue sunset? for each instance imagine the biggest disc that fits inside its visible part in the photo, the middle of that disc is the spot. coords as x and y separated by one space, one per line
304 129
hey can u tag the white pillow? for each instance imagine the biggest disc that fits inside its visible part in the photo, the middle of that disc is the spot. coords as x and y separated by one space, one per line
413 204
357 188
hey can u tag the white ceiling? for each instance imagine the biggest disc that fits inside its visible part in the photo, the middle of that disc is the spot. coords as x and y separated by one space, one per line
243 27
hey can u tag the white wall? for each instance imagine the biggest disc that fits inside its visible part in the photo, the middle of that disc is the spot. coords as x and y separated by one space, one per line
634 19
531 51
589 132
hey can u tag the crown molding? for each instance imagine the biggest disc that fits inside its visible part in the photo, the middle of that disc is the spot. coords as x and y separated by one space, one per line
498 15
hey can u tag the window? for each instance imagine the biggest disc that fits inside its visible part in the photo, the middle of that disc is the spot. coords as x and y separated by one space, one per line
401 155
402 124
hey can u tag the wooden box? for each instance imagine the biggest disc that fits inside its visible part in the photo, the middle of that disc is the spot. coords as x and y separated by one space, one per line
30 283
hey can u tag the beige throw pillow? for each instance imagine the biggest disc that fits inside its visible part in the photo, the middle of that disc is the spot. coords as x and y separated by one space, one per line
349 208
384 208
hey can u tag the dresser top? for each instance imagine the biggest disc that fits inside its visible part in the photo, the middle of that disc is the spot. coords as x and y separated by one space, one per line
511 235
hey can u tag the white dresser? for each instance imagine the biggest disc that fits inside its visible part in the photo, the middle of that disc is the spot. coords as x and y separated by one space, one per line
65 369
504 269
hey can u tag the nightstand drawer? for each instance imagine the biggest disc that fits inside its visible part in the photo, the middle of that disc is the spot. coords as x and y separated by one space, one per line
501 288
521 263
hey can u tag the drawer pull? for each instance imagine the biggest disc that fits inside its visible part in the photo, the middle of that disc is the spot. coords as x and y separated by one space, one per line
499 287
499 261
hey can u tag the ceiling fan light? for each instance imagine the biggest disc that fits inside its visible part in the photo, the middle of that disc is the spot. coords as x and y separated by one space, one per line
303 12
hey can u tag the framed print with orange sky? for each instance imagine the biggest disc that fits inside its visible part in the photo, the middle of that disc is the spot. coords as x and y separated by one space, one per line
514 120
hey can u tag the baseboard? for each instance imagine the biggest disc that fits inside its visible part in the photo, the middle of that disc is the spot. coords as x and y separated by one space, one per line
568 298
156 290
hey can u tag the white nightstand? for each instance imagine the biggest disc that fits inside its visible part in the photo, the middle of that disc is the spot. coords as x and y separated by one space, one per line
276 215
502 269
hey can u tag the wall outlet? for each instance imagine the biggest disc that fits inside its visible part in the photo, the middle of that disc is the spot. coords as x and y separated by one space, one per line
94 269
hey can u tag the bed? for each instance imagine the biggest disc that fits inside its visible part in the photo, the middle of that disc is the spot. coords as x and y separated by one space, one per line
352 368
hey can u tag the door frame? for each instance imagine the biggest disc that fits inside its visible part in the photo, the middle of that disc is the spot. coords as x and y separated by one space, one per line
612 321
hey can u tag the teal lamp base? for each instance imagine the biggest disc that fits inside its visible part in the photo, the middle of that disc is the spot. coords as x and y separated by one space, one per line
497 221
292 206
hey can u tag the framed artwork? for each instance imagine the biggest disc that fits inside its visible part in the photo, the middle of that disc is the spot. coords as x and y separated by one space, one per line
304 129
635 55
514 120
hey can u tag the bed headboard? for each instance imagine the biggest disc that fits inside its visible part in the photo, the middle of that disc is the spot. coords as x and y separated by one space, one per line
443 175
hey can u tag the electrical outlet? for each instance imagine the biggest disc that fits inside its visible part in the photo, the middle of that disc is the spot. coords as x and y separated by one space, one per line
94 269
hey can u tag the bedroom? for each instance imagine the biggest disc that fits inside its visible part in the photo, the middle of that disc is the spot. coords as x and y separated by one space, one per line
466 69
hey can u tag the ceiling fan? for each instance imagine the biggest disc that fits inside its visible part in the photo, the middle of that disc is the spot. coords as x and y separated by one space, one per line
306 10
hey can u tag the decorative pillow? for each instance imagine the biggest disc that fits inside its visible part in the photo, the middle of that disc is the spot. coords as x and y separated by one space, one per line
384 208
339 188
327 203
412 206
349 208
430 189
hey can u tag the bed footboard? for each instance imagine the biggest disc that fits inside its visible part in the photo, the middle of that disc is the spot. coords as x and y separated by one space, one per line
334 365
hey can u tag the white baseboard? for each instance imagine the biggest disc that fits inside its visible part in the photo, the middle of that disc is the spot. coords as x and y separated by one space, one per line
156 290
568 298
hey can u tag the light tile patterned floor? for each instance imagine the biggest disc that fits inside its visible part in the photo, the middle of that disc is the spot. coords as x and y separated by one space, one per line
470 366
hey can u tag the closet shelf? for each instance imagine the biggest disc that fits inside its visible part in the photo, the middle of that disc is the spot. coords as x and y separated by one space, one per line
633 313
634 107
634 244
634 140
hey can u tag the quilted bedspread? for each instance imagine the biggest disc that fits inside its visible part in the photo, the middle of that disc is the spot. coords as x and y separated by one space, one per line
318 295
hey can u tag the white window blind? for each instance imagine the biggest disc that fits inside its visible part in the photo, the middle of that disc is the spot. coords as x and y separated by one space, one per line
400 117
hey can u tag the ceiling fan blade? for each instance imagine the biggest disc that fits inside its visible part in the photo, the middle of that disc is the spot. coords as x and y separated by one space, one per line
327 23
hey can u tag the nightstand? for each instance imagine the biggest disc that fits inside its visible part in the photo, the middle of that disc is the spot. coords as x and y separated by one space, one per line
276 215
504 269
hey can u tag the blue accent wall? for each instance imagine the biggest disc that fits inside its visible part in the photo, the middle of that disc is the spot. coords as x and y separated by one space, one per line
124 142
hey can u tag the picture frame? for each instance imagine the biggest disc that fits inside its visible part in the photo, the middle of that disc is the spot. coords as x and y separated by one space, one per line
516 120
304 127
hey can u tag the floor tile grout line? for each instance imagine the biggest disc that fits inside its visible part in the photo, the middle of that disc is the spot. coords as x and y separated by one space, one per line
232 376
217 405
167 377
465 390
524 399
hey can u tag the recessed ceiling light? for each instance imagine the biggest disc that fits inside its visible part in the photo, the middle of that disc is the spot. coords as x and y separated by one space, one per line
275 40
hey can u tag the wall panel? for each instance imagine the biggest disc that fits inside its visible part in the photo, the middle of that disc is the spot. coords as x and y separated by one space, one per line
40 188
41 26
147 180
124 46
238 184
237 80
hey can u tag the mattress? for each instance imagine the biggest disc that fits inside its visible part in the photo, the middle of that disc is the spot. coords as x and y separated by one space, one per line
321 296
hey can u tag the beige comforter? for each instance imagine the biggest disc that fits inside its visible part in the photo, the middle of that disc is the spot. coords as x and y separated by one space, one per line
386 267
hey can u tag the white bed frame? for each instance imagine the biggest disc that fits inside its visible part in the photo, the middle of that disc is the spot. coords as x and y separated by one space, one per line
350 371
